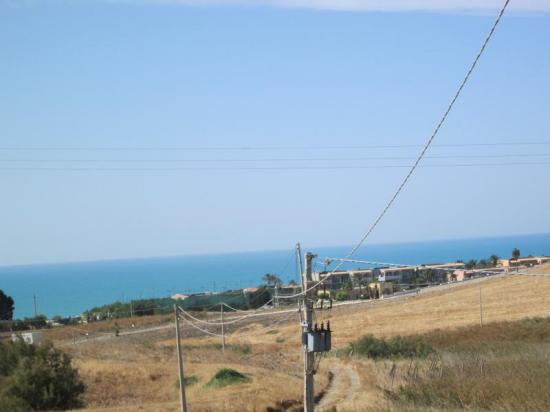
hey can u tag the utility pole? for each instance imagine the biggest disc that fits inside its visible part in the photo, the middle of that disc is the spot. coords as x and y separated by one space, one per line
223 335
309 357
299 265
183 401
35 310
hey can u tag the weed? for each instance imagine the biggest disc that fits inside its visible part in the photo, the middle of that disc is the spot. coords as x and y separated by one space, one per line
396 347
225 377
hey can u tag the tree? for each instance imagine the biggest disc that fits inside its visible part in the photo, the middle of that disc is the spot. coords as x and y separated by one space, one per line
145 307
494 260
6 306
271 279
358 280
516 253
37 378
471 264
292 282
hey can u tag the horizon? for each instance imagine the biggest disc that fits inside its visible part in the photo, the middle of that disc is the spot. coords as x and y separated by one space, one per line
259 251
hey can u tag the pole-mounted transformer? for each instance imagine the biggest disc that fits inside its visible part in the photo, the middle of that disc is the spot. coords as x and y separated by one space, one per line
318 339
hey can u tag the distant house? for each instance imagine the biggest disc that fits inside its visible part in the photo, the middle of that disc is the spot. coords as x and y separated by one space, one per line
408 273
525 261
398 274
457 275
179 296
339 279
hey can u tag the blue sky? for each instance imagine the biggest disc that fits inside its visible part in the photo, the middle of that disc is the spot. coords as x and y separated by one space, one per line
173 74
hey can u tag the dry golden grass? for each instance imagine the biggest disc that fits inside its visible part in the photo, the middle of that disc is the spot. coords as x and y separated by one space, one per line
139 372
104 327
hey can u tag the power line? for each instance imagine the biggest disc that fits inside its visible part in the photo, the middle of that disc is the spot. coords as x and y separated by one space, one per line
267 168
433 136
263 148
368 262
294 159
424 150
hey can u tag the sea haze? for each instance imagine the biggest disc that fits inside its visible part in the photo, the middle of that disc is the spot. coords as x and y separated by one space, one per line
70 288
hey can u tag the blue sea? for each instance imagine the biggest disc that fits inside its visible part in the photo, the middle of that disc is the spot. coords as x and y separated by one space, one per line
69 288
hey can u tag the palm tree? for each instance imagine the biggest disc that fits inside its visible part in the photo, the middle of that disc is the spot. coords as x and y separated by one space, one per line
516 253
358 279
494 260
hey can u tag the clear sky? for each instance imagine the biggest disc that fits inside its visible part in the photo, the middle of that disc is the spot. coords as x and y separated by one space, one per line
264 74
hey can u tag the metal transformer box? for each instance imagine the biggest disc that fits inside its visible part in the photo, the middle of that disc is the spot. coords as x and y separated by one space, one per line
317 341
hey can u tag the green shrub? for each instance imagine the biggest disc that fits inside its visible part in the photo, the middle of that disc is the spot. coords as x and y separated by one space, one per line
342 295
189 380
399 346
226 377
37 378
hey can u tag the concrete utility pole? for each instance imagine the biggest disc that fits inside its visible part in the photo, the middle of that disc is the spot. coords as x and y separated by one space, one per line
309 357
183 401
223 335
299 261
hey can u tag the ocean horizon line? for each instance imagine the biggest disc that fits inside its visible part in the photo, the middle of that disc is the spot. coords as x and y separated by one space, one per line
258 251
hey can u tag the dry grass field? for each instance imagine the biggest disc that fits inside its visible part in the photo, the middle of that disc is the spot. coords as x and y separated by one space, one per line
139 371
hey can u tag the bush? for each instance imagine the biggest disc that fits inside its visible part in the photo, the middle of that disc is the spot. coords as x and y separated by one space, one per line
342 295
37 378
226 377
399 346
189 380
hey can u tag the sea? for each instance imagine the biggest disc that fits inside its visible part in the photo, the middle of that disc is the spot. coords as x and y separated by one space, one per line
67 289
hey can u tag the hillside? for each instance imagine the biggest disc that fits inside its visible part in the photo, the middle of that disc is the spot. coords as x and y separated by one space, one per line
138 372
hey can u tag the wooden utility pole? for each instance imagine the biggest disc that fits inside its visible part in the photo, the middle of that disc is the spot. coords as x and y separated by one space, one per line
34 301
223 335
183 401
309 357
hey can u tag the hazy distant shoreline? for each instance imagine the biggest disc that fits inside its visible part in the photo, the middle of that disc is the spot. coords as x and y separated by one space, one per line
69 288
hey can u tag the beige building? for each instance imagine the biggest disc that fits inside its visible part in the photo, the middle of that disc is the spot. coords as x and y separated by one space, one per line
526 261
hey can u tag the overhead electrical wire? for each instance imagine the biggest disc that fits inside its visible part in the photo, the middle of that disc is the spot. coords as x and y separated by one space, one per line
422 153
267 168
294 159
261 148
